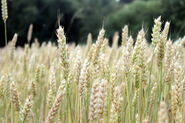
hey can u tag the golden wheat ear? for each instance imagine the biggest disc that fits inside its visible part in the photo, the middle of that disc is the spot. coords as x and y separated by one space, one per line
26 108
4 10
13 44
30 31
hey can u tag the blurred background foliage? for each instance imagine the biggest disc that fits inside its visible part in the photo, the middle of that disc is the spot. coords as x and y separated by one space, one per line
80 17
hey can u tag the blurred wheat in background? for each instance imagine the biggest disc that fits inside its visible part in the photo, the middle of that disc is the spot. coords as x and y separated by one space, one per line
136 82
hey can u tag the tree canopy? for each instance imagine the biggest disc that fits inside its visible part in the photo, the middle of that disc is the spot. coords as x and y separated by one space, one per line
80 17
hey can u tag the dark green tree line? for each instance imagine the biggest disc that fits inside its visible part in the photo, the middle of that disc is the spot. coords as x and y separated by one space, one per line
79 17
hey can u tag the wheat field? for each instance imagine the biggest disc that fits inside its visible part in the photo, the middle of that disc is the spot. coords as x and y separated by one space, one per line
135 82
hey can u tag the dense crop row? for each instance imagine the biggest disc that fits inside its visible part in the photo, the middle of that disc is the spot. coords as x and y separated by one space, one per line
134 82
